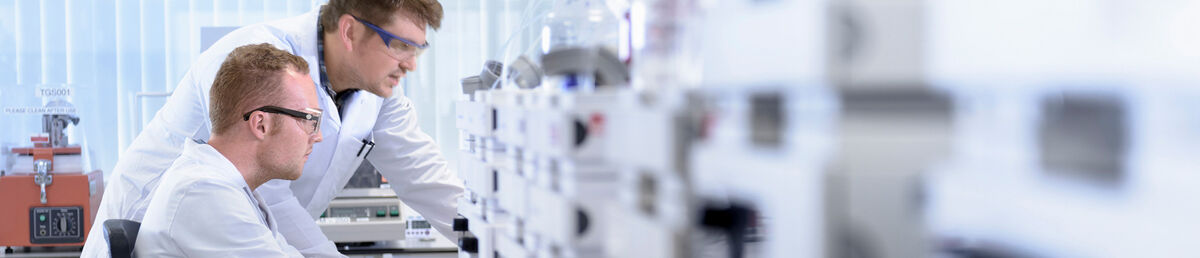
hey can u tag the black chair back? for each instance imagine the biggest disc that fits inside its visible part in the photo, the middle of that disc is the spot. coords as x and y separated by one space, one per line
121 234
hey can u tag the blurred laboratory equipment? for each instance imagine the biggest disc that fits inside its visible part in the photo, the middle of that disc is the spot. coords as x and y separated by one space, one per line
366 217
841 128
49 198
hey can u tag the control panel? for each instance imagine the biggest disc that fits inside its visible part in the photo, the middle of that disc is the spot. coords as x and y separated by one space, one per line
418 228
53 225
359 213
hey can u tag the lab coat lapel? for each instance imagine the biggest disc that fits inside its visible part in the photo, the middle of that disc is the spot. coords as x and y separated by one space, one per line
264 212
330 114
362 110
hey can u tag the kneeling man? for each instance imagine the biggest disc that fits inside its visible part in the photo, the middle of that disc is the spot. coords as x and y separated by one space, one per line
265 119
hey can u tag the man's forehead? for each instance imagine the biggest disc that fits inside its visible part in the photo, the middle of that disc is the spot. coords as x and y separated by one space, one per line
303 90
406 17
406 26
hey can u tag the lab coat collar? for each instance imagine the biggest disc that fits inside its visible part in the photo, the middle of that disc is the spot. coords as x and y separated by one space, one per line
227 171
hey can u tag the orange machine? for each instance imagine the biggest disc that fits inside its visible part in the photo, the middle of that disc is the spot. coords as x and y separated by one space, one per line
52 204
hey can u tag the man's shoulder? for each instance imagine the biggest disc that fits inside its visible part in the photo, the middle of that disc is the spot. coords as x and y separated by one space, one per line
192 169
195 185
283 33
199 174
191 185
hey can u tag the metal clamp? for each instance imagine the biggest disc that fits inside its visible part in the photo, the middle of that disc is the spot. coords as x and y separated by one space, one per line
43 176
55 125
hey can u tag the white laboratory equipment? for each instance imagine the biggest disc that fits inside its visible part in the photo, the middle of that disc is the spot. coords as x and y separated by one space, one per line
580 23
842 128
367 217
363 215
534 165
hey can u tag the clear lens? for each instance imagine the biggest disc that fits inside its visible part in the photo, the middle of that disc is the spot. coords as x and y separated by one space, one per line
404 50
315 126
315 123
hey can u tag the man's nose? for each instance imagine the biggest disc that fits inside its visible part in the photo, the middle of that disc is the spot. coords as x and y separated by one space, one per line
409 64
317 137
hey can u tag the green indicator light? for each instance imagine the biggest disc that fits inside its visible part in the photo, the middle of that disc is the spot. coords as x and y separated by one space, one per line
41 217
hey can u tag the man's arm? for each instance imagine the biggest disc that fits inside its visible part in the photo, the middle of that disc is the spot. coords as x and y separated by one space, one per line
414 166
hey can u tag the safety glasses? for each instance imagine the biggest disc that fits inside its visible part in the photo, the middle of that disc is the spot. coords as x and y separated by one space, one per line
398 47
310 117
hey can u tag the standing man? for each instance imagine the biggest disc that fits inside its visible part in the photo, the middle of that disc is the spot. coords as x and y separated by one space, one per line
362 48
265 120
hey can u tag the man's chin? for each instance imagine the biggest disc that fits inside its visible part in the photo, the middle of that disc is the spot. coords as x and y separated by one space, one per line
381 92
293 175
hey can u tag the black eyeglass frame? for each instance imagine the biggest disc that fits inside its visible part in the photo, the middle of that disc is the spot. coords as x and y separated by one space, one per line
292 113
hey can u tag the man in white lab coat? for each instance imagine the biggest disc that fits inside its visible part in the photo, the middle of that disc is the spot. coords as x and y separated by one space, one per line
360 48
265 120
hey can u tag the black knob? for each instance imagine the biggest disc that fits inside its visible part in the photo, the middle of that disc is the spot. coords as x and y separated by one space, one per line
460 224
581 221
581 132
734 219
469 244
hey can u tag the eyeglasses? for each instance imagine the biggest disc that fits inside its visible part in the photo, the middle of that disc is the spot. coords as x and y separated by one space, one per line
310 116
399 47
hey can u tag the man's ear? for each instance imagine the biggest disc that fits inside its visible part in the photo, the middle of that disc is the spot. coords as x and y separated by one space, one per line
259 125
346 31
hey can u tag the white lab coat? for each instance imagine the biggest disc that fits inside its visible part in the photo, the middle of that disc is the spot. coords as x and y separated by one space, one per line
405 155
204 208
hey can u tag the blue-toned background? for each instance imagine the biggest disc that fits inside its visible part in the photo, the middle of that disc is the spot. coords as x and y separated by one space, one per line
123 57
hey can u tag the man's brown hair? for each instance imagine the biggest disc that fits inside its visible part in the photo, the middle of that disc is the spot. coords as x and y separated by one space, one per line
250 77
379 12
